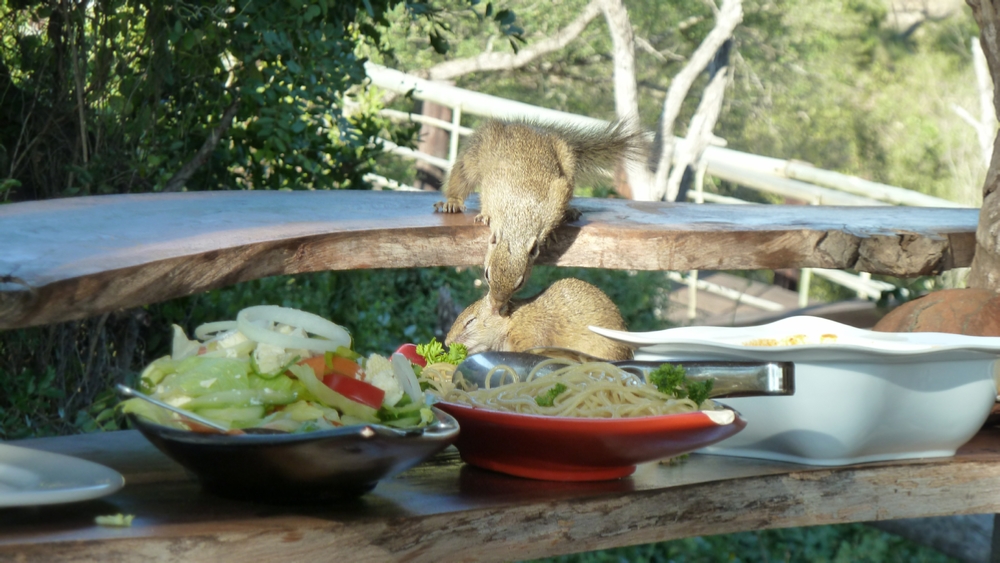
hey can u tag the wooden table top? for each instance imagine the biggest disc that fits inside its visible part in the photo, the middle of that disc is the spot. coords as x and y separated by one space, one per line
67 259
446 510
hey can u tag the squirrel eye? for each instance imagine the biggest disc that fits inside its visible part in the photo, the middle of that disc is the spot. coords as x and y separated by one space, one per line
534 250
487 273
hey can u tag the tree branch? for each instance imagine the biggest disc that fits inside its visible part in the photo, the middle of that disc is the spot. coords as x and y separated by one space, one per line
663 56
508 61
730 15
699 134
987 113
626 94
623 42
177 181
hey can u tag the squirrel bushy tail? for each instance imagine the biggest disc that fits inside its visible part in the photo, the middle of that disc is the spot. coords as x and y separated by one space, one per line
597 148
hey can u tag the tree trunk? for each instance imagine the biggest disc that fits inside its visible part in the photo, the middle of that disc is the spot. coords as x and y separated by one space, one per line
631 181
985 271
660 159
433 141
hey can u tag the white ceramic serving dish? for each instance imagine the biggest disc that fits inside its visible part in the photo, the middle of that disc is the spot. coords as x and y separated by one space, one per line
860 395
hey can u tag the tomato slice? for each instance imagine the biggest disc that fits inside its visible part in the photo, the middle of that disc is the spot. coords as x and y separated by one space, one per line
330 363
410 351
318 363
355 389
343 366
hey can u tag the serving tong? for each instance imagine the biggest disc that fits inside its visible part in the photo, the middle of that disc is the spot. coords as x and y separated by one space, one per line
731 378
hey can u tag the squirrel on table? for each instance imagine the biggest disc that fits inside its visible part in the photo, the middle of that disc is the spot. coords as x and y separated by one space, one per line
526 173
557 317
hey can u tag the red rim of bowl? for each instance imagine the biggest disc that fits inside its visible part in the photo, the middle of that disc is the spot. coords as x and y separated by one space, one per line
590 454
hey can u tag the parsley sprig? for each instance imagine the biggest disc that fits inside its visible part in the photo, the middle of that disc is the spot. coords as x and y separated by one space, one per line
549 398
435 353
672 379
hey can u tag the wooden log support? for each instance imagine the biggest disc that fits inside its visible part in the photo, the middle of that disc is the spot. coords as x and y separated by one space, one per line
67 259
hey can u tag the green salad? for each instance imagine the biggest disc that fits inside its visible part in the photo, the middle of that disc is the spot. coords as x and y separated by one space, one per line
282 369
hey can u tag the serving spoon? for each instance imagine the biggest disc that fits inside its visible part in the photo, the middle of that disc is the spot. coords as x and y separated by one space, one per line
129 392
731 378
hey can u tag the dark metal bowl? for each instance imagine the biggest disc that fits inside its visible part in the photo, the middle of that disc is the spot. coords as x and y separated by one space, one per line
300 467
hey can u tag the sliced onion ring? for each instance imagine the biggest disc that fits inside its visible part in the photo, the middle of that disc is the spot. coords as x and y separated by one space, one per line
333 334
403 370
208 330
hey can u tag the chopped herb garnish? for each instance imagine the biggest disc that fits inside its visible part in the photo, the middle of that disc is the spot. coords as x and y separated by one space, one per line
549 398
435 353
698 391
671 379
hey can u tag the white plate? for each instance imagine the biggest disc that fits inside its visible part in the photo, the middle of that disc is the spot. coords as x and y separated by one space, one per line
860 395
33 477
821 340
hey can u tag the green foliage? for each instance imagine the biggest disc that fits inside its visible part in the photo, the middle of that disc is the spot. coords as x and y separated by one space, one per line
825 82
42 404
57 379
848 543
121 96
833 85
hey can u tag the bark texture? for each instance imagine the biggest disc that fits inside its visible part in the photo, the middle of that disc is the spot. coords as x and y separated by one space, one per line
985 272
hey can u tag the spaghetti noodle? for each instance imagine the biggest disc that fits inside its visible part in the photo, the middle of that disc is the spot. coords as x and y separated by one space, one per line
589 390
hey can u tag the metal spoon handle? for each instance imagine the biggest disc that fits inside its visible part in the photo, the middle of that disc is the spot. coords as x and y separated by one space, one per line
731 379
128 391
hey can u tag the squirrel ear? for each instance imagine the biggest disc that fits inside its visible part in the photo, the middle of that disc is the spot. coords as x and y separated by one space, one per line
493 238
520 282
534 249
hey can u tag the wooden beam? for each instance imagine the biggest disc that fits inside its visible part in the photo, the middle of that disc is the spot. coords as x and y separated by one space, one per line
444 510
67 259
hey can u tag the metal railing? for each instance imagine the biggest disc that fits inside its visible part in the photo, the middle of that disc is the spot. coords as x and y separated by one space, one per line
790 179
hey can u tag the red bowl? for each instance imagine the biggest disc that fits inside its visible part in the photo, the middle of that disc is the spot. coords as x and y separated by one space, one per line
558 448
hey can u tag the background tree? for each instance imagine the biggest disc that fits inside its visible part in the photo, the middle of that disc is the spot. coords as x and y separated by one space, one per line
985 272
831 83
148 95
120 96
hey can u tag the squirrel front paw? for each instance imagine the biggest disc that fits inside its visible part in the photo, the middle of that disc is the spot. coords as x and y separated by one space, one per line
572 214
449 206
483 218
